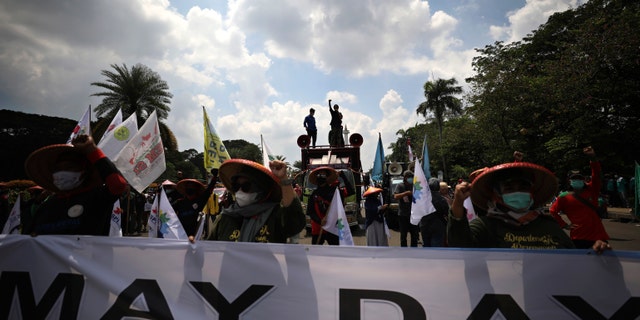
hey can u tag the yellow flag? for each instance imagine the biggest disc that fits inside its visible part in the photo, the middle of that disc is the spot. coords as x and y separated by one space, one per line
214 151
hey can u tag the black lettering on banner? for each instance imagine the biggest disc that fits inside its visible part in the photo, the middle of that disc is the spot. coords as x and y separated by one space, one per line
71 284
490 303
226 310
582 309
350 303
158 306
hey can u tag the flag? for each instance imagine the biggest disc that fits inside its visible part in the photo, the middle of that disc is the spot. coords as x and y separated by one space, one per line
410 152
141 160
337 221
471 212
116 220
267 155
12 226
636 188
83 126
214 151
163 220
421 205
118 135
378 161
425 159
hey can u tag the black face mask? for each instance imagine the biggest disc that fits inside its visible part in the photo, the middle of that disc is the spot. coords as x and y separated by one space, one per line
322 181
190 192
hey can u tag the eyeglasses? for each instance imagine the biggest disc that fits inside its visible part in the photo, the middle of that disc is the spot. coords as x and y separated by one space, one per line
245 186
514 185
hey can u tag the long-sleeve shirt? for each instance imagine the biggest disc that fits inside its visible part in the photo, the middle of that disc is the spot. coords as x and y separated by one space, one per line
586 223
82 212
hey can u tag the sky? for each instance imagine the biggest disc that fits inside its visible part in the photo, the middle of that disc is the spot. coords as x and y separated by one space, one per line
257 66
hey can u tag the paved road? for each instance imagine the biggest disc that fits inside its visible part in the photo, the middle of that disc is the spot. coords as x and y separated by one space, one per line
623 230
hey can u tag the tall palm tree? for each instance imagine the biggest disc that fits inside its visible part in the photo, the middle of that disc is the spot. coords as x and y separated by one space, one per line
139 90
441 101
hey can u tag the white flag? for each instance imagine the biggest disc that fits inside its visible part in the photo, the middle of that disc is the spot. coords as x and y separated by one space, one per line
337 221
118 135
142 161
471 212
163 220
421 205
83 126
116 220
267 155
12 226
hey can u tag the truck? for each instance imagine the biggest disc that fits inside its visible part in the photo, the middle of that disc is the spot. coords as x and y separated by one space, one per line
342 158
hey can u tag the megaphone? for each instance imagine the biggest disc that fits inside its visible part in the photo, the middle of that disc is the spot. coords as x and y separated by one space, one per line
303 141
356 140
394 169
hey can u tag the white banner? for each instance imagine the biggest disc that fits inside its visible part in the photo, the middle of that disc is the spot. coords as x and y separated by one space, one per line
83 277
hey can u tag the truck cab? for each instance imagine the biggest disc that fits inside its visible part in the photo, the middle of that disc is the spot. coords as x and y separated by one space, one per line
343 158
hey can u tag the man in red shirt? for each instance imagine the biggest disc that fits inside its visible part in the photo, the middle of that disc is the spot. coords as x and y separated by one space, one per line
585 225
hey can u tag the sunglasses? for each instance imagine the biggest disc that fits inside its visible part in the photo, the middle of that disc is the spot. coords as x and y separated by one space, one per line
245 186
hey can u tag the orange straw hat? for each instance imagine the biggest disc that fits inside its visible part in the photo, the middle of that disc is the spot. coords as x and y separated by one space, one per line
371 191
40 166
258 174
331 177
544 182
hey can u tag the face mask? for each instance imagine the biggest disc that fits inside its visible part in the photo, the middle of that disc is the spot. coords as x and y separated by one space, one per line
67 180
576 184
246 198
518 200
321 181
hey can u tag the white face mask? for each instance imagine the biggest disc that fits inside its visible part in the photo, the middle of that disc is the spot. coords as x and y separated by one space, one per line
246 198
67 180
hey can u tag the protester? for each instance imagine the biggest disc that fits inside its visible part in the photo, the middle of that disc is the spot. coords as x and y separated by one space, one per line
4 203
310 125
85 183
194 198
374 223
445 192
326 180
148 204
513 194
335 135
579 205
266 208
404 194
433 226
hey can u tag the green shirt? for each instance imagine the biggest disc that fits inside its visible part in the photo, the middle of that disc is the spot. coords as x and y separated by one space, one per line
283 222
490 232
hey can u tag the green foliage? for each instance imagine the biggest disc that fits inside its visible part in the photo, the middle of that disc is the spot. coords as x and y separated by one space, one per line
241 149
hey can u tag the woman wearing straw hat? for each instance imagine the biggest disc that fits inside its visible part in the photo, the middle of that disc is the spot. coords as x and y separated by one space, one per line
85 183
266 208
194 197
374 224
326 178
513 195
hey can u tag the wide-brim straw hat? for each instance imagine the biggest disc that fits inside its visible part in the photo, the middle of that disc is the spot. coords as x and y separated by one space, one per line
331 177
371 191
544 182
40 166
184 183
258 174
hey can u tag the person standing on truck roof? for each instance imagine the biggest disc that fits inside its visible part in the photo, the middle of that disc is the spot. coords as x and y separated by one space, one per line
310 125
335 135
326 180
404 194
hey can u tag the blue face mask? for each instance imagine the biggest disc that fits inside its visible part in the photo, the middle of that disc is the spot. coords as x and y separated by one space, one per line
577 184
518 200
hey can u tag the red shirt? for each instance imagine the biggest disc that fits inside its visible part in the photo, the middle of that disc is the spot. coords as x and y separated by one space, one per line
587 225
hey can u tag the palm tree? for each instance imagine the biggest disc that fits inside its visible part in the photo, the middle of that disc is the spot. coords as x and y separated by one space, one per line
140 91
441 101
